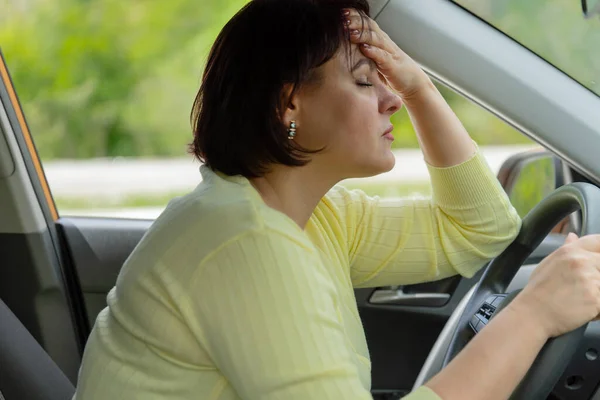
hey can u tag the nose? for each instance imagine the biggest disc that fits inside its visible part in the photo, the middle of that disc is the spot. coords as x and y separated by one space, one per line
390 102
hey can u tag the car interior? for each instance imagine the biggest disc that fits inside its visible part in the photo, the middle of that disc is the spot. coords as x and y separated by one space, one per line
55 271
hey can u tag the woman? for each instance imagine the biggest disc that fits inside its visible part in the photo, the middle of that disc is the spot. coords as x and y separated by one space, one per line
243 289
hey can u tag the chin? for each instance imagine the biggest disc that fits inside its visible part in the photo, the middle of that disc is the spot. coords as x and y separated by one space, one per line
379 166
386 163
387 167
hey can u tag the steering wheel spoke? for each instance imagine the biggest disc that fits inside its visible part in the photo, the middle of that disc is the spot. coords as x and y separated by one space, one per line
486 312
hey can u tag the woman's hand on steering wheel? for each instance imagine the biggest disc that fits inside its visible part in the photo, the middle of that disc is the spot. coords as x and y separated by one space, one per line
563 293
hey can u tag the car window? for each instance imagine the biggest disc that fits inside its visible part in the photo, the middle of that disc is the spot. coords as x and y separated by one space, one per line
556 30
107 92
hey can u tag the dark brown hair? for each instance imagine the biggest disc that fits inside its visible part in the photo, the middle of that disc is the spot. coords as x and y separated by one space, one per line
268 44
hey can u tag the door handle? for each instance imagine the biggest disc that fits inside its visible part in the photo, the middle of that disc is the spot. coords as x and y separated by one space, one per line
395 295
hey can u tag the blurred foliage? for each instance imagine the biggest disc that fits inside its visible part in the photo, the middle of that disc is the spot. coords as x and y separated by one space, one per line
535 180
107 78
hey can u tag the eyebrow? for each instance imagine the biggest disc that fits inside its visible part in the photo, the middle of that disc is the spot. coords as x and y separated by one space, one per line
363 61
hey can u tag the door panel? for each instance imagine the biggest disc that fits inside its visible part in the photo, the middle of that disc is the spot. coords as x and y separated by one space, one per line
400 337
97 249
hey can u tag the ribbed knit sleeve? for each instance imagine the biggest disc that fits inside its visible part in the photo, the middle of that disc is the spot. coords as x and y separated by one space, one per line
468 221
273 319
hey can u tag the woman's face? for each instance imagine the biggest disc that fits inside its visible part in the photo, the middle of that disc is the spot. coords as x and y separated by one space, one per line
348 112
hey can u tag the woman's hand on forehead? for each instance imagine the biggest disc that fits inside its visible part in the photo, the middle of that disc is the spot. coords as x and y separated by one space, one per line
402 72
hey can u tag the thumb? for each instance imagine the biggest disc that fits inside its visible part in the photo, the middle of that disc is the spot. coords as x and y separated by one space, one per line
571 237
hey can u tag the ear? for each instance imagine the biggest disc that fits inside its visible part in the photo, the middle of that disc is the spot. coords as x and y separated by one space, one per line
290 105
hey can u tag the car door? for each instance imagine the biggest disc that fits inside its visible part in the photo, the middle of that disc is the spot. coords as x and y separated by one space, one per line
58 266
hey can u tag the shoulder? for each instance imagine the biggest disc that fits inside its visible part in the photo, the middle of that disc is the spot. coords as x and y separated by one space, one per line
263 248
217 213
222 229
344 206
261 264
344 198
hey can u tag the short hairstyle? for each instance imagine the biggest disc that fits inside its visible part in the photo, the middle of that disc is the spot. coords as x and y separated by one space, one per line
269 44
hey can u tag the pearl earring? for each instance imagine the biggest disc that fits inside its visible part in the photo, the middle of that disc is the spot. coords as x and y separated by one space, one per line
292 130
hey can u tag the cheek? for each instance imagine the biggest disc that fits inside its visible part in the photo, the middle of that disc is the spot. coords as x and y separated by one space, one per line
354 112
358 117
339 118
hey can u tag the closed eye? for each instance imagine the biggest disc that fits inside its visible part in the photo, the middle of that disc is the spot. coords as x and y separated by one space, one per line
364 84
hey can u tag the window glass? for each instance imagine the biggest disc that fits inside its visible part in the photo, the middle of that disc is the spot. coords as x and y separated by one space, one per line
107 91
556 30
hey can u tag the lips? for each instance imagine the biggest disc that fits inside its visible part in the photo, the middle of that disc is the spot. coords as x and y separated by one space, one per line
388 133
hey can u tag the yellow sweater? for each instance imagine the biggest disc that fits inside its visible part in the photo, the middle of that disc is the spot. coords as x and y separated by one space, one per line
226 298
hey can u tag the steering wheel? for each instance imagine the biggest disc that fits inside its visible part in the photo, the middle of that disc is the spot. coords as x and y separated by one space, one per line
557 352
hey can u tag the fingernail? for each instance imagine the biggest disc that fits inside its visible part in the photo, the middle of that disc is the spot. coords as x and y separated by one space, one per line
354 32
346 12
365 45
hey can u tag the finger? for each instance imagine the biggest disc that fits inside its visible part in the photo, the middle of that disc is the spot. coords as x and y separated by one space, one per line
382 58
589 243
370 33
571 237
370 37
360 21
356 21
351 12
357 24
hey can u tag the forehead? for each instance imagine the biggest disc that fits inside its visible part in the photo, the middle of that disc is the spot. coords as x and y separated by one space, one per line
346 57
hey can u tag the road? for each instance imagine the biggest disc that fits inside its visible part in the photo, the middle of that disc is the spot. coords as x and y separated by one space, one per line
116 178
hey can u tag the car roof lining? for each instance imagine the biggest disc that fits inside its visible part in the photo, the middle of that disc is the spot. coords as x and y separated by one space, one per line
376 6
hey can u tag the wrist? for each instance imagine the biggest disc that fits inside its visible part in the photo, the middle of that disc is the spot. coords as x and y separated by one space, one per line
530 315
420 94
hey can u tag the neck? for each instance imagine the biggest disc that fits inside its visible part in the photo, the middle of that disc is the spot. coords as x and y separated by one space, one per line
294 191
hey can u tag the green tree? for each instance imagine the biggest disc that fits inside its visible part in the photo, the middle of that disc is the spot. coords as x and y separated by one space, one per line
104 79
